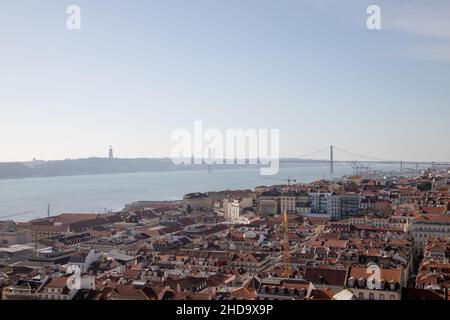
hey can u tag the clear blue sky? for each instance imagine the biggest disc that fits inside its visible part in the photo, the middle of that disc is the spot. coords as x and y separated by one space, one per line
137 70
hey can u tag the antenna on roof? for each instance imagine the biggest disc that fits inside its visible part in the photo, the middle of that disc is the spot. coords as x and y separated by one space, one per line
48 211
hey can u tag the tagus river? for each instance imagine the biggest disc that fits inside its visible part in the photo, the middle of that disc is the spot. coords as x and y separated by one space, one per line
97 193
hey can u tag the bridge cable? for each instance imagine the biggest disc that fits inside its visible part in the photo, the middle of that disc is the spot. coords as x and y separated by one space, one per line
363 156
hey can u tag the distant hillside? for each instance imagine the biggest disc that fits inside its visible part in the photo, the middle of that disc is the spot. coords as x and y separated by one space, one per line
81 167
90 166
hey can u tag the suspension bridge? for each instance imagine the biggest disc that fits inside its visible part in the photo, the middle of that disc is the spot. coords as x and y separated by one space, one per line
360 166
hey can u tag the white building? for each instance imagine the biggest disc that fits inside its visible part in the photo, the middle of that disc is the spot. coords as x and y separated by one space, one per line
235 207
83 260
233 211
333 206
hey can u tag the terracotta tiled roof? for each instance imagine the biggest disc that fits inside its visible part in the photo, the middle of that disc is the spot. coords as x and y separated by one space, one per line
326 276
386 274
244 293
128 292
435 210
67 218
433 218
56 282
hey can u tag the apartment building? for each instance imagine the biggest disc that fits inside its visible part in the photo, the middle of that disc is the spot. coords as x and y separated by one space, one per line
429 226
274 202
349 204
374 283
269 203
285 289
319 202
333 206
234 210
295 202
53 288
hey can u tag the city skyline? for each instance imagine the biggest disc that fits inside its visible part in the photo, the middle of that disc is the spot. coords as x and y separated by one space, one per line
132 75
311 156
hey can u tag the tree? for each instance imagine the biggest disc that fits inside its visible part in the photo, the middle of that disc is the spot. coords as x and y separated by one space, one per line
424 186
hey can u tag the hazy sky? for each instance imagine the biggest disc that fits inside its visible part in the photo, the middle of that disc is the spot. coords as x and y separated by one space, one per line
137 70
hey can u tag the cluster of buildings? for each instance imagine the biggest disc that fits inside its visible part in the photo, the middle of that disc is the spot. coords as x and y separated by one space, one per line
354 238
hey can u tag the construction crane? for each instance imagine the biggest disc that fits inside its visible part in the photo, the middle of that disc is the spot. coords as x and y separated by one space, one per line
286 248
289 180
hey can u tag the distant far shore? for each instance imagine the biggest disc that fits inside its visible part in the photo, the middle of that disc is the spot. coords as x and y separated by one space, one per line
98 166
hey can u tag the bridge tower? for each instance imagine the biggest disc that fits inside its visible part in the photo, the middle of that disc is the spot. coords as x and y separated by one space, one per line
331 161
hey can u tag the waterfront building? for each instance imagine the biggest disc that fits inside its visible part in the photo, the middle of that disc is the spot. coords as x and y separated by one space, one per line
197 202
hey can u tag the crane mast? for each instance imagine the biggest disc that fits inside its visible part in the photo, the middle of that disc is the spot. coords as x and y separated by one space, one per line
286 248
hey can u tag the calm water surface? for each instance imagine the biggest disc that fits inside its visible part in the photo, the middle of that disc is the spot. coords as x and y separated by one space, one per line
97 193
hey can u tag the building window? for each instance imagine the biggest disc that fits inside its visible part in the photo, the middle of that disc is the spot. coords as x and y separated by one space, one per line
371 296
361 296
